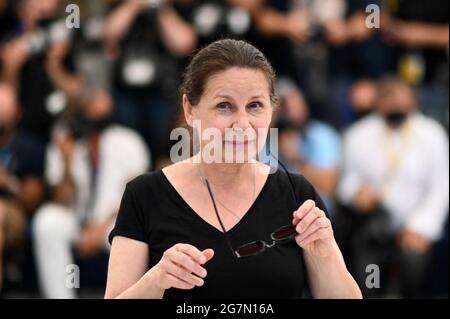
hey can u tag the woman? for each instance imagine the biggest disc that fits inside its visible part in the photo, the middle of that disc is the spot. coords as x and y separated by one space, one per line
182 232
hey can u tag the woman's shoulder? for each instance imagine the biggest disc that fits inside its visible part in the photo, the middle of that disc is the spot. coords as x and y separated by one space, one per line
303 189
283 180
283 177
146 182
158 180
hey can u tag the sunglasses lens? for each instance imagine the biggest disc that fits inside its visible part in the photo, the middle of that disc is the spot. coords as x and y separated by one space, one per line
283 233
251 249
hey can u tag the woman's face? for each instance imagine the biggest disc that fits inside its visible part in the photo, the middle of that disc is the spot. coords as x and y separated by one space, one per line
236 103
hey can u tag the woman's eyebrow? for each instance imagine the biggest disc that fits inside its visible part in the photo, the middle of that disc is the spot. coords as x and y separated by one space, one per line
228 97
224 96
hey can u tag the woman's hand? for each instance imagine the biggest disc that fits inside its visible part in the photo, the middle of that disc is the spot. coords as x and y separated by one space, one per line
328 275
181 267
315 234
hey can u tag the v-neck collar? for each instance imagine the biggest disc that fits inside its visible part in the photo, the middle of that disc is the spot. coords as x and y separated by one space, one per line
212 228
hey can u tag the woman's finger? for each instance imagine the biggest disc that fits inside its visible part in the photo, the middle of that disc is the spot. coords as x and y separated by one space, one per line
191 251
320 234
178 283
183 274
318 223
307 219
303 210
188 263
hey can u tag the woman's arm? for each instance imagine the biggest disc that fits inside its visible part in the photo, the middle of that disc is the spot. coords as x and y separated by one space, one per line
328 275
127 271
128 263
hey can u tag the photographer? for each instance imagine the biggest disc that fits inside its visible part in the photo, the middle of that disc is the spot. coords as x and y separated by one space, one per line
88 164
394 187
146 41
293 36
38 63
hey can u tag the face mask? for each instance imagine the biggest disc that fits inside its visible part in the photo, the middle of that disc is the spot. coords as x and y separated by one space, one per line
395 119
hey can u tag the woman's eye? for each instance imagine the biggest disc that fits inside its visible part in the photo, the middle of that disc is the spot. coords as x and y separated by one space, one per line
224 107
255 106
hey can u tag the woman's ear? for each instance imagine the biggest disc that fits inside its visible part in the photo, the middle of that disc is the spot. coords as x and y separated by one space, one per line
187 108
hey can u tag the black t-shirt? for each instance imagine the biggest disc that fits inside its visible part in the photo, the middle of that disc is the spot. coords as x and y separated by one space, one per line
152 211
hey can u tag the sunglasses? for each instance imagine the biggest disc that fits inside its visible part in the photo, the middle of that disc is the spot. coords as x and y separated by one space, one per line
281 235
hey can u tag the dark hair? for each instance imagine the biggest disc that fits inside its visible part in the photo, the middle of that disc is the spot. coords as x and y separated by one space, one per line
220 56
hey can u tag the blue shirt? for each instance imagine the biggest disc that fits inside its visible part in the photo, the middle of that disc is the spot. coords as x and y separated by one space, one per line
320 145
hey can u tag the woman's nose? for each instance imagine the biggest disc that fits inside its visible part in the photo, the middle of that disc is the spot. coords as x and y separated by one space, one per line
241 121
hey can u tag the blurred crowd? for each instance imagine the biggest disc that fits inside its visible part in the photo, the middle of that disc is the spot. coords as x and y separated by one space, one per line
363 115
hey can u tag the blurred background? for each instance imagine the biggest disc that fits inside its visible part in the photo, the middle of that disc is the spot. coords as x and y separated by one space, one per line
363 115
